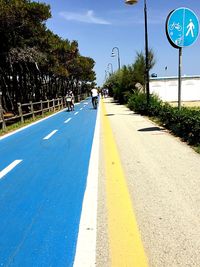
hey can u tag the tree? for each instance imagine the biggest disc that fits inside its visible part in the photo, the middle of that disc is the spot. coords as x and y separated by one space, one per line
123 82
139 66
35 63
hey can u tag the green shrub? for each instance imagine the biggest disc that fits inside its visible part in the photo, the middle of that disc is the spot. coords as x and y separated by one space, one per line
138 103
155 106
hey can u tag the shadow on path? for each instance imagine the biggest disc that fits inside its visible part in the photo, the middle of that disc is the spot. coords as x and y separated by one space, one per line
151 129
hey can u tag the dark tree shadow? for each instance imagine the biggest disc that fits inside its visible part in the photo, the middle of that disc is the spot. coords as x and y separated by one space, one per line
150 129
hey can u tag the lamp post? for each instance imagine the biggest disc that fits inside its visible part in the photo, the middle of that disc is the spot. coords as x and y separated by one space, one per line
106 76
110 66
113 55
131 2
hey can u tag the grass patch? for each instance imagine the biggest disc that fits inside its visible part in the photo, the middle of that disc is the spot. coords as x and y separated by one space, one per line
197 149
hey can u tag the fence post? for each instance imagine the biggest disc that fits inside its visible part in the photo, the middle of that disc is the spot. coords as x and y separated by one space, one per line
20 112
1 113
62 103
41 107
54 109
48 106
32 110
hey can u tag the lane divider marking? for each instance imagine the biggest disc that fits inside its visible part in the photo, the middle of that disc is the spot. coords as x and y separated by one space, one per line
50 135
81 108
9 167
76 113
126 247
67 120
86 244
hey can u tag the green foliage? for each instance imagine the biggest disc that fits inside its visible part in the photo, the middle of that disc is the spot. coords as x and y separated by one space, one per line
197 149
21 23
35 63
185 123
137 102
122 83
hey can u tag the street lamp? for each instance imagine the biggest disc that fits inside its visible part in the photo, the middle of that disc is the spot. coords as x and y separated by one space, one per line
113 55
131 2
111 66
106 74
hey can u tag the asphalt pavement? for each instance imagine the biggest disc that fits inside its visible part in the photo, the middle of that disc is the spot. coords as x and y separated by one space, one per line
43 176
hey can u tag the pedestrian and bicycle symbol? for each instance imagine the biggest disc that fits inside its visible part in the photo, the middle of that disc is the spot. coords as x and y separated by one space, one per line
182 27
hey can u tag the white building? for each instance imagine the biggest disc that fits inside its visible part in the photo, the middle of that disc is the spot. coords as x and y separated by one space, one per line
167 88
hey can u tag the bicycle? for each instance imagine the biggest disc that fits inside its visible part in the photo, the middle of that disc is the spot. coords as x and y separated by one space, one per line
94 102
176 26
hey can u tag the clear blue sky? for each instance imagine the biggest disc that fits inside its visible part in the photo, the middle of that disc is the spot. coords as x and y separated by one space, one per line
100 25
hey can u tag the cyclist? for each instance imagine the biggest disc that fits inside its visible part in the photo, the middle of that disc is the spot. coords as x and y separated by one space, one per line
94 95
70 100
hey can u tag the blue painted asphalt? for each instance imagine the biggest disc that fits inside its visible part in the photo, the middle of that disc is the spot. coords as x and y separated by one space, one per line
41 198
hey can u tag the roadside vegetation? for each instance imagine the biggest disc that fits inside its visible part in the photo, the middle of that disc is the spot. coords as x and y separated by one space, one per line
127 87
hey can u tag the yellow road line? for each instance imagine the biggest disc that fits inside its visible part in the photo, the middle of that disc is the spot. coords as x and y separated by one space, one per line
126 248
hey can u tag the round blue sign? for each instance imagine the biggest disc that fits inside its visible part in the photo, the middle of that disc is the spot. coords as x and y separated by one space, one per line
182 27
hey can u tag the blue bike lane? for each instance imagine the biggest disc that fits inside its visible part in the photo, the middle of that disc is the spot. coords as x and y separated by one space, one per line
41 197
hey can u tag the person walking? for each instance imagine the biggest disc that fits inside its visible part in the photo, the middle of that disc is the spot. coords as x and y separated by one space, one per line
94 95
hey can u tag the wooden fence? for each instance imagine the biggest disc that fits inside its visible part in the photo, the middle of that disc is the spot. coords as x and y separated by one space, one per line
32 109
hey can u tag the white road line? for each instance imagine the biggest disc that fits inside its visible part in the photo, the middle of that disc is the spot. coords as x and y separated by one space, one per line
81 108
50 135
86 243
9 168
67 120
76 113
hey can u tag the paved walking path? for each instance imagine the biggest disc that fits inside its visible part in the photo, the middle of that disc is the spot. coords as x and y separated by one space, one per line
163 179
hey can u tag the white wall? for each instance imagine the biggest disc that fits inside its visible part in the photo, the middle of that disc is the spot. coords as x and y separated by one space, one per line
167 88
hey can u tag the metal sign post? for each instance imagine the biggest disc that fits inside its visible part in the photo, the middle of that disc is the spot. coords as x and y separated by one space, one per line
182 29
179 77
